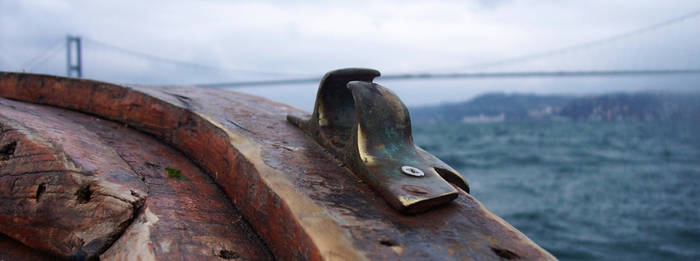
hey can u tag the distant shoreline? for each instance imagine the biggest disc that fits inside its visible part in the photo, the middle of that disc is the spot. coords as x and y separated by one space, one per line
499 107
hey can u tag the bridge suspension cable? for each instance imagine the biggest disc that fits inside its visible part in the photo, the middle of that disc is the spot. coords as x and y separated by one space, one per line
517 59
50 52
180 63
409 76
43 56
585 45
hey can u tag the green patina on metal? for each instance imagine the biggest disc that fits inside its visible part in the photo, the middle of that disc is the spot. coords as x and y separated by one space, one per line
366 126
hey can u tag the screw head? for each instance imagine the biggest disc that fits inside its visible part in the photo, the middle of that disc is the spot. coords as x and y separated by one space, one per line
412 171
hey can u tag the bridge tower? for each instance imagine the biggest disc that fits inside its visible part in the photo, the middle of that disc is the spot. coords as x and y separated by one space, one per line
73 65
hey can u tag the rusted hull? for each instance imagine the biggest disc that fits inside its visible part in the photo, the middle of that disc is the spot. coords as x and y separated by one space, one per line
296 197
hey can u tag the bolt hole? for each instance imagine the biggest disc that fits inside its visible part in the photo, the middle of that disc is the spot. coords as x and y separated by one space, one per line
8 150
388 242
83 194
228 254
40 190
504 253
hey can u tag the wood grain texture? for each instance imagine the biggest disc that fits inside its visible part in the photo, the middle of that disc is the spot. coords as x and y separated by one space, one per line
184 217
12 250
62 190
301 202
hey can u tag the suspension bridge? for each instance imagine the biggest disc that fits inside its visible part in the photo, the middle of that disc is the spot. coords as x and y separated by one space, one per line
472 71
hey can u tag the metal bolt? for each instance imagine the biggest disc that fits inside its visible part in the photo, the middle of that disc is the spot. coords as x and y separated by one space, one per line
412 171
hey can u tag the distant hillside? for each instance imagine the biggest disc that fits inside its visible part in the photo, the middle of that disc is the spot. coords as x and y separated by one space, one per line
492 105
517 107
638 106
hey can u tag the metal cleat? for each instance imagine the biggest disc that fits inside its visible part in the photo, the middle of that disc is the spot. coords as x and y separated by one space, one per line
368 128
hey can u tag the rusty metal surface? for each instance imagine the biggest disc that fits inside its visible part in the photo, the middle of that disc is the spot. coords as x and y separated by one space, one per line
184 217
296 197
366 126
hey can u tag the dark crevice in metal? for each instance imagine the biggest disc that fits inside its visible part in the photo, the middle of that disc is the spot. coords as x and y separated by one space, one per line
505 253
453 178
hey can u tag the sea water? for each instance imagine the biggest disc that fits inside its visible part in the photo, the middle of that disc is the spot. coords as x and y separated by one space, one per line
584 190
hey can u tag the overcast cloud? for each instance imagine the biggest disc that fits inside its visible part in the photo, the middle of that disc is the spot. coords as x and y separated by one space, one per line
273 39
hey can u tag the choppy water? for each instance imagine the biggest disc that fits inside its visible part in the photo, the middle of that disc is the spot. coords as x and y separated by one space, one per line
584 191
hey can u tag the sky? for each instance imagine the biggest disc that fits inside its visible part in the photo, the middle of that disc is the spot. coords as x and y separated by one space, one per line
220 41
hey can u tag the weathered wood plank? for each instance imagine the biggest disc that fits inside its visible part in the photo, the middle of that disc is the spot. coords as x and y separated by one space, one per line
12 250
185 216
56 193
297 198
